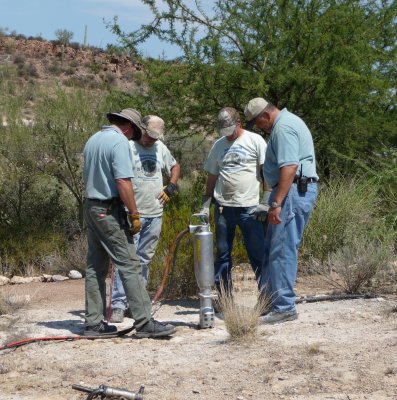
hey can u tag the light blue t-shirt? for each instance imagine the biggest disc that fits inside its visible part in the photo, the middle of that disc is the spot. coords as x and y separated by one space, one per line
290 143
107 157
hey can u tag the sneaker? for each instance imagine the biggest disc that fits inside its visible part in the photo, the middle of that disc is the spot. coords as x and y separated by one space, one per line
154 329
117 315
274 317
102 329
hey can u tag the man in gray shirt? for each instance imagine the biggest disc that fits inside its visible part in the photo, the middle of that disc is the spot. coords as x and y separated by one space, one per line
108 189
233 166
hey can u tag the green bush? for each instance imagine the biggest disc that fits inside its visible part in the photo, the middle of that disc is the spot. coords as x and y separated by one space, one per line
346 209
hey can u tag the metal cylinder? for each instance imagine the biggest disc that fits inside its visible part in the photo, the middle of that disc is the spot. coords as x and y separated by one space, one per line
204 269
204 259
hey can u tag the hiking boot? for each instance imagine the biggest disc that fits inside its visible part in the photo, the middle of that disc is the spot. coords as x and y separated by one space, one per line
128 313
117 315
274 317
102 329
154 329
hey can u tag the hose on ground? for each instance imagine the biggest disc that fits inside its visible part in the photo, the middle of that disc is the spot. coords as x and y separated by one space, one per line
24 342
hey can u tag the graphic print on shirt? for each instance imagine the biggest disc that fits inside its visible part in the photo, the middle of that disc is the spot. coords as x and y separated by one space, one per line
148 166
234 158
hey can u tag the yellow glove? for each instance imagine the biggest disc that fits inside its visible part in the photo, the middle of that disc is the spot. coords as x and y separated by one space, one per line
135 222
163 197
167 192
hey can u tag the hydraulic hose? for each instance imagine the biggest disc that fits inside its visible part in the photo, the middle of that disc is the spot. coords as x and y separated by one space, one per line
171 257
64 338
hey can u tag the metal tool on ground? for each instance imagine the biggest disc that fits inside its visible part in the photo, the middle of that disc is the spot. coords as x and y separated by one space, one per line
104 392
204 266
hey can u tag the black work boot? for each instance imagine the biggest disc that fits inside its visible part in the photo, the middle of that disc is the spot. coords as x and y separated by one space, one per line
154 329
102 329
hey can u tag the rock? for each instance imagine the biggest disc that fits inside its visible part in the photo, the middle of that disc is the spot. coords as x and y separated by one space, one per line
59 278
37 279
20 279
46 278
4 280
73 274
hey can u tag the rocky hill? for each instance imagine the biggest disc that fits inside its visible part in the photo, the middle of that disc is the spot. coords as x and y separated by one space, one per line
36 61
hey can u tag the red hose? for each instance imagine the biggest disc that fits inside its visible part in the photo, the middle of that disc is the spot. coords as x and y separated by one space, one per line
167 265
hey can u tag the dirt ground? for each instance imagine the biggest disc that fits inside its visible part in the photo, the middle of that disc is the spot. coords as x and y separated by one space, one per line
335 350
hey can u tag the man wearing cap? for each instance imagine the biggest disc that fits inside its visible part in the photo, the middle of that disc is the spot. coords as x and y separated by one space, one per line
151 158
108 189
290 169
233 166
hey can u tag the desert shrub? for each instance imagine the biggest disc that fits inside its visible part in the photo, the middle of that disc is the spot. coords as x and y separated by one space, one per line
74 256
19 59
24 253
95 67
10 46
31 70
54 68
359 263
345 209
11 302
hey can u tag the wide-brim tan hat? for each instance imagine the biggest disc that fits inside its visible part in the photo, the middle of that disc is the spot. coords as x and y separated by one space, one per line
154 126
132 115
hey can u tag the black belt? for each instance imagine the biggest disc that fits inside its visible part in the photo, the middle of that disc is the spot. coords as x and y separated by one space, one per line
308 180
107 201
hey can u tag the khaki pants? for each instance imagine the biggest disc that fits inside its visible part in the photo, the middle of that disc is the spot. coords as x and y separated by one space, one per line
109 239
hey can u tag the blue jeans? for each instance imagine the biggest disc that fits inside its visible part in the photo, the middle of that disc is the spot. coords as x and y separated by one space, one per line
254 241
145 242
282 241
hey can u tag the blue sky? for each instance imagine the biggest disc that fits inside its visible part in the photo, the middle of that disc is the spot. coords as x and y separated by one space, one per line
44 17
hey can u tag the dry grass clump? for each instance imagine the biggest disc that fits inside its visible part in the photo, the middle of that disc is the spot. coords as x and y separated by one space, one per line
241 319
12 302
314 348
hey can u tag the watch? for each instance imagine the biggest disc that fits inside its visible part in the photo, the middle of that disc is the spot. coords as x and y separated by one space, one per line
275 204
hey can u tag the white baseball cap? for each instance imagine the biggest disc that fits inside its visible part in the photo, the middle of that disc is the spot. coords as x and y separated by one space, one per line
154 126
253 109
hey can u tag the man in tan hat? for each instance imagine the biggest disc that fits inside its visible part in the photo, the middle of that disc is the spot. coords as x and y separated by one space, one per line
151 158
233 166
108 192
290 169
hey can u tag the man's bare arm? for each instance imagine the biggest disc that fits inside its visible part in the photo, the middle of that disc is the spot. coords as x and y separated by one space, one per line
175 173
211 181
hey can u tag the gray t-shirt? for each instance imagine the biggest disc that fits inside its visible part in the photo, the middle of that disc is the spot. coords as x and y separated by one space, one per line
107 157
237 165
148 165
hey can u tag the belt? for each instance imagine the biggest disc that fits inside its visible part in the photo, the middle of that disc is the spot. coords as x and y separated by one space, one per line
308 180
107 201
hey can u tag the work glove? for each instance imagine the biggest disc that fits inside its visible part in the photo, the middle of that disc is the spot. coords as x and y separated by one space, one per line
167 193
260 211
135 223
205 205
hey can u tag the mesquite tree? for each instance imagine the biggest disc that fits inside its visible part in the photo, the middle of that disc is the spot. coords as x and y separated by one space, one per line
333 62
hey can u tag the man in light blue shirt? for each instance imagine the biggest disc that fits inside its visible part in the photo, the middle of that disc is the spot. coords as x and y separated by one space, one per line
108 193
290 169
